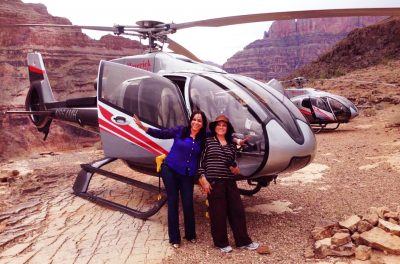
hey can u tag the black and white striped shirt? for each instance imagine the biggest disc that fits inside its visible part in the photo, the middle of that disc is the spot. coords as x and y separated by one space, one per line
216 159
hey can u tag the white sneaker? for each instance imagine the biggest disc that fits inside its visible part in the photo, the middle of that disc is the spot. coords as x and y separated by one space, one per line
226 249
175 245
251 246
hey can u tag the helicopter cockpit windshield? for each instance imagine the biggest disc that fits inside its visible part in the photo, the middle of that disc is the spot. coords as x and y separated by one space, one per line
214 99
341 112
276 104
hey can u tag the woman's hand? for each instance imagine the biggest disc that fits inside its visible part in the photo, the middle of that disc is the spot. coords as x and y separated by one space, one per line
139 123
242 142
235 170
205 185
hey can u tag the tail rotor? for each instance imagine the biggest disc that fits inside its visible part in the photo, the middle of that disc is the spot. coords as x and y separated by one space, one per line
39 94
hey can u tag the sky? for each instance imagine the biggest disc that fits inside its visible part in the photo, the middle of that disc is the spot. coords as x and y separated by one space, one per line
209 44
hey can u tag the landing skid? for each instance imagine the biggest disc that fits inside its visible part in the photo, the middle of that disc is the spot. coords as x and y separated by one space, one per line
320 127
88 170
250 191
257 184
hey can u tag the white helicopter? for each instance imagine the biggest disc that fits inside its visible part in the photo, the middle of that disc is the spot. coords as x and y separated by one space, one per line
163 89
320 108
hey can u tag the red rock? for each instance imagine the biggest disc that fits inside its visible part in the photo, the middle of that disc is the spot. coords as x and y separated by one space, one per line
339 239
263 249
363 252
378 238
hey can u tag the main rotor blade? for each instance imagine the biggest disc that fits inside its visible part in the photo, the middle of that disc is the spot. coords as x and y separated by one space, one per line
174 46
116 29
100 28
243 19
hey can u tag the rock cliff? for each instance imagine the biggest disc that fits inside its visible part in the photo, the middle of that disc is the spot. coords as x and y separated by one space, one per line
71 59
362 48
290 44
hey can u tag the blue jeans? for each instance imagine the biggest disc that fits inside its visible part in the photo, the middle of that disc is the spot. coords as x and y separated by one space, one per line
175 183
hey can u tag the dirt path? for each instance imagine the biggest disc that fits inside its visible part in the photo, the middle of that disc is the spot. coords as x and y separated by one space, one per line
356 167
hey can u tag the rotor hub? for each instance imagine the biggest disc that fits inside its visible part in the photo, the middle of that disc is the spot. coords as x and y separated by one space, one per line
148 23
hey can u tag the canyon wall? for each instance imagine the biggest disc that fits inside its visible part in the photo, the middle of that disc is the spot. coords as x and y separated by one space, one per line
71 59
290 44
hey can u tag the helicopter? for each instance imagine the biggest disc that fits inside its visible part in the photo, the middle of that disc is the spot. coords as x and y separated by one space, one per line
319 107
163 89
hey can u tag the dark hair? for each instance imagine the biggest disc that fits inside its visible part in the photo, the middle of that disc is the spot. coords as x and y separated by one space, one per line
229 130
202 133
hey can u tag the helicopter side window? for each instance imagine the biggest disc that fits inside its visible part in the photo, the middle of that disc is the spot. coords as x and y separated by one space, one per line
154 99
160 105
321 104
168 109
129 102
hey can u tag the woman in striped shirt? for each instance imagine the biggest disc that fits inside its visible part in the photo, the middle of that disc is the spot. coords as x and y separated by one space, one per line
217 165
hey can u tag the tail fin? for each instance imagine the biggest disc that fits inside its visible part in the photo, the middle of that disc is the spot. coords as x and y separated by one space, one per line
39 93
37 73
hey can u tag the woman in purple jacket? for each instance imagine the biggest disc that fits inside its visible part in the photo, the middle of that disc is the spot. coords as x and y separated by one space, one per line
179 170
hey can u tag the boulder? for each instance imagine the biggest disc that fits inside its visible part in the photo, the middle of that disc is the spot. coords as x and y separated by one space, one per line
350 223
340 239
363 252
380 239
389 227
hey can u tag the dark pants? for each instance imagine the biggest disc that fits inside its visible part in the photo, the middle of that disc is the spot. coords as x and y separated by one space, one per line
174 184
225 202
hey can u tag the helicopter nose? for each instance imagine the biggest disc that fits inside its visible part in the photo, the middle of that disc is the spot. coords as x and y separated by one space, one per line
353 112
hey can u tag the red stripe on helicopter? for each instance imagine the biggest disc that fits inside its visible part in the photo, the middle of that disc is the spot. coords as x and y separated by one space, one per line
105 126
138 137
35 70
316 109
108 115
305 112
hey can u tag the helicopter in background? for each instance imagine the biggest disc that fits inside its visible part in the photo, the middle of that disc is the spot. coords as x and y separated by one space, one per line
319 107
163 89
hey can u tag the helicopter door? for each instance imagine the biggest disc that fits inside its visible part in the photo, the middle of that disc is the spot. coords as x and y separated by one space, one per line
124 91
